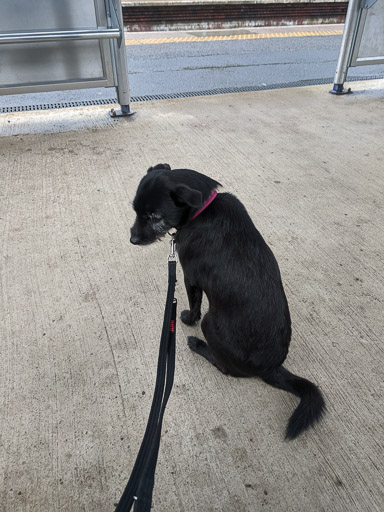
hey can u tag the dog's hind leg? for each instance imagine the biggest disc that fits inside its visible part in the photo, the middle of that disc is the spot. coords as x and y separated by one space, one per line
206 350
200 347
195 295
220 356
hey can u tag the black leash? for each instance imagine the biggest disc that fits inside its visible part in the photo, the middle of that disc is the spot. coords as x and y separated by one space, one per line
139 488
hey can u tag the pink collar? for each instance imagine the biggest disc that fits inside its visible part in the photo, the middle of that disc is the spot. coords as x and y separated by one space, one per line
207 203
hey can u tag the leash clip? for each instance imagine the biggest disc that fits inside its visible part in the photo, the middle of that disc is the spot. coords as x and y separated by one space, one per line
172 254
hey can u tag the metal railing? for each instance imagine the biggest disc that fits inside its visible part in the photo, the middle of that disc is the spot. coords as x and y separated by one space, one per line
58 35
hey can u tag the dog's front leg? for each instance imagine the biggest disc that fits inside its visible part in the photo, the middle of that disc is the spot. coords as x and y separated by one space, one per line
195 295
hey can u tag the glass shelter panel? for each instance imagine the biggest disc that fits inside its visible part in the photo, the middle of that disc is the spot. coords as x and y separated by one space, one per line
62 63
369 47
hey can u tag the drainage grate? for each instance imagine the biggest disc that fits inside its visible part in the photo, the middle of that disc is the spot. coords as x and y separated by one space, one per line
50 106
176 95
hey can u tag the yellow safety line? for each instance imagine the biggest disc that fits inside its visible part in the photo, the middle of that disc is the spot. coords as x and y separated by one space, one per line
231 38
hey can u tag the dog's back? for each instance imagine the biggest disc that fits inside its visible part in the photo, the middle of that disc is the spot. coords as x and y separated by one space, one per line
223 253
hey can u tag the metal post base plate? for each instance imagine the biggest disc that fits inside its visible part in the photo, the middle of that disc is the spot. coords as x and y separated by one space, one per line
124 112
338 89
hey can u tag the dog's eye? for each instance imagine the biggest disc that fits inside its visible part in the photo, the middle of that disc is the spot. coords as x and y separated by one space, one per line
154 217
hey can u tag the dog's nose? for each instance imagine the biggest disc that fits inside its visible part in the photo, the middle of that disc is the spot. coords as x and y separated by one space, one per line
135 240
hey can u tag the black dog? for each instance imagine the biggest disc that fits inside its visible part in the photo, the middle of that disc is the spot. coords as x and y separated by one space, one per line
248 326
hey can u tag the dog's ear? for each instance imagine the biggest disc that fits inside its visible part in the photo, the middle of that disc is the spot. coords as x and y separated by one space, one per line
157 167
183 195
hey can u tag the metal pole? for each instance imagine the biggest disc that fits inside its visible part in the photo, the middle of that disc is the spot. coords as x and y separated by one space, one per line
346 49
123 94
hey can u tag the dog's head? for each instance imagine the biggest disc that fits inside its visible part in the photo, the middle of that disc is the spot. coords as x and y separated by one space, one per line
167 199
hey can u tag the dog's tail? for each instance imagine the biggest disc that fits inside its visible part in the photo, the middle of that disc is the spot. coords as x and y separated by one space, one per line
311 407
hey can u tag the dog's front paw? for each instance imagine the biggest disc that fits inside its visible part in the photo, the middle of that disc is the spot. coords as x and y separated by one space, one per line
186 318
195 343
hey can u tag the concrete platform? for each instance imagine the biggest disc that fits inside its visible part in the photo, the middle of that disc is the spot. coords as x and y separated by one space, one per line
81 308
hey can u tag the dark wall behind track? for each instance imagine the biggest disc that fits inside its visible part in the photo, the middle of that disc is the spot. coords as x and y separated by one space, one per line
194 16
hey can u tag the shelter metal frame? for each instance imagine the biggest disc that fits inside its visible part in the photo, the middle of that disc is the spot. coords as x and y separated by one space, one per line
363 39
65 55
